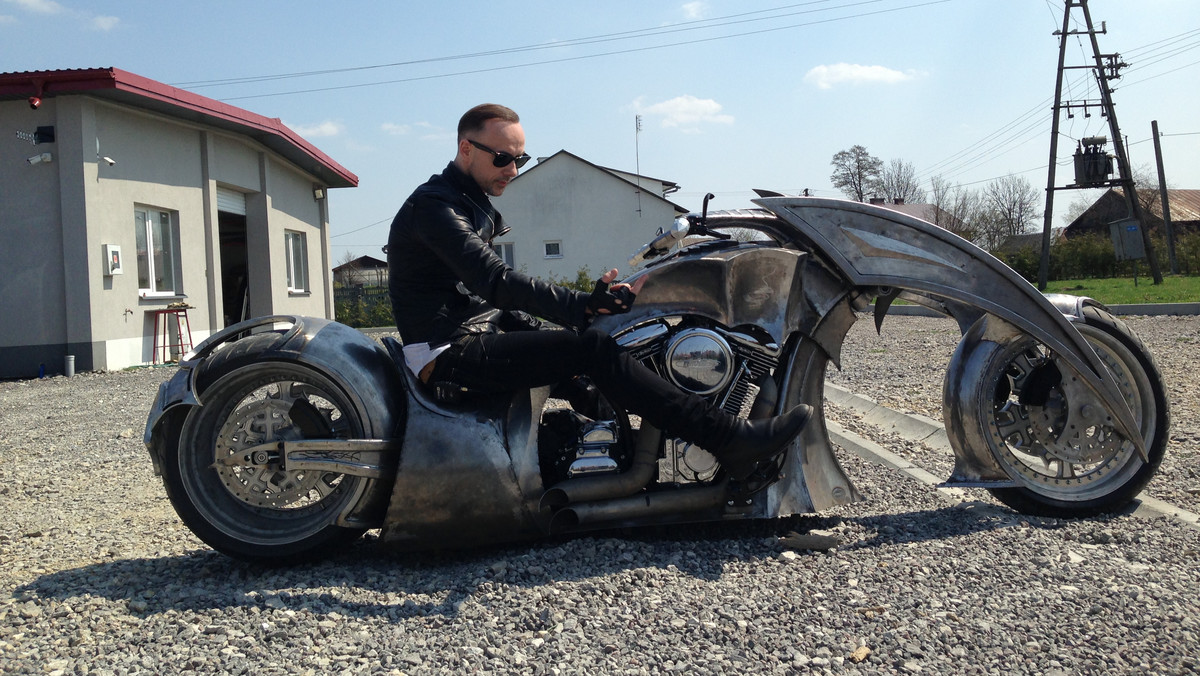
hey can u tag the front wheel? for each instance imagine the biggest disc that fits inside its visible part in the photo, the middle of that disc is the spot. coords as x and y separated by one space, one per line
263 513
1051 434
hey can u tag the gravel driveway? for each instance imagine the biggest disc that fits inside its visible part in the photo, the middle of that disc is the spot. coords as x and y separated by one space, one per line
98 576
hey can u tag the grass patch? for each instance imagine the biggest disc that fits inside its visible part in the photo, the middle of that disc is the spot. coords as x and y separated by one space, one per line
1128 291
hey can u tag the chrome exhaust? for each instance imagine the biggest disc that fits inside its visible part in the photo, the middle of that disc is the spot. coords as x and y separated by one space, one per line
647 505
604 486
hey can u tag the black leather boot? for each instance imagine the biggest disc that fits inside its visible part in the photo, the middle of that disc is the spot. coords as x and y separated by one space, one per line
753 441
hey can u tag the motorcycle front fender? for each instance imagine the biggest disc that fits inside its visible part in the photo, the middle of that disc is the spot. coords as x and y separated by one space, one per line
877 247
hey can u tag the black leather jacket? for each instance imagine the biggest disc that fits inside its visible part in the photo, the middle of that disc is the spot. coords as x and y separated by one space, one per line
446 281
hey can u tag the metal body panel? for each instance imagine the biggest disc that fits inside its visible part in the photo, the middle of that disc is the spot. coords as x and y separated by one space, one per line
745 285
974 462
458 484
878 247
782 292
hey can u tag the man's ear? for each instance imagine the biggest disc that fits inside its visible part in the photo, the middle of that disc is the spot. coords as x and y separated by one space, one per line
464 148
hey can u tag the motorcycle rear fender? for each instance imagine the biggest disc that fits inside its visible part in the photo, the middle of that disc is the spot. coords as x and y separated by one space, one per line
877 247
354 362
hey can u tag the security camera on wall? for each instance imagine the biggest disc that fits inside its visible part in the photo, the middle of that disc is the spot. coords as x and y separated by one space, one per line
38 159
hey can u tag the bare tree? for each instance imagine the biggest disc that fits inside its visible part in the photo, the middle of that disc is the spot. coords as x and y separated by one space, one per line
956 208
351 272
1012 207
856 173
898 181
1083 200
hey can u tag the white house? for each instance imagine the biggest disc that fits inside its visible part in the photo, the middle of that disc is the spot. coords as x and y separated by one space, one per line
123 197
567 213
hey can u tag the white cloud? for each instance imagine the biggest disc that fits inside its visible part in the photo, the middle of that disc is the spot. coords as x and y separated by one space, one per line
695 10
104 23
319 130
94 21
5 18
826 76
422 130
685 112
39 6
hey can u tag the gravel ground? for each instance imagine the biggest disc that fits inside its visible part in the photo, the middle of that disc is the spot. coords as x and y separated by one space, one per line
98 576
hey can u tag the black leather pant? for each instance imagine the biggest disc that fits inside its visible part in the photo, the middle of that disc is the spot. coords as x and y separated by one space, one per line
503 362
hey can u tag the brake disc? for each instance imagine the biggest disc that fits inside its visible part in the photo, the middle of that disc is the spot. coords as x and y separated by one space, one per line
262 417
1073 425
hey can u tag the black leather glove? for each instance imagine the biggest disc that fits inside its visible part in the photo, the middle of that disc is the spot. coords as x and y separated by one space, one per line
614 302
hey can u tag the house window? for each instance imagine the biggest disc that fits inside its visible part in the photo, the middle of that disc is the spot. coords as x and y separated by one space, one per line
297 261
554 249
157 252
505 251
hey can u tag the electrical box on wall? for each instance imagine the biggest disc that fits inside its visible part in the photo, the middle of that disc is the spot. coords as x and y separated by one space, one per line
112 260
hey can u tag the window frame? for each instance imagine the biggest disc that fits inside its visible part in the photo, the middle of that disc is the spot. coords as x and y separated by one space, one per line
295 247
546 248
507 252
150 224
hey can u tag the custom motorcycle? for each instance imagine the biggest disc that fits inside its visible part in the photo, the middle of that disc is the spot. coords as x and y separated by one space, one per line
285 437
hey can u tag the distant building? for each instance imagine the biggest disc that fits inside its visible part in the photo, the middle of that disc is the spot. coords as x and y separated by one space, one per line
123 196
567 213
1111 206
362 271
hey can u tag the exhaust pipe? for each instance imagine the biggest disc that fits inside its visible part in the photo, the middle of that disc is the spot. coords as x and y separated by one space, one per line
601 487
643 506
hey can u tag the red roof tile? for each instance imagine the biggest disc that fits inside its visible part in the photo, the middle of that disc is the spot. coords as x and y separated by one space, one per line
135 90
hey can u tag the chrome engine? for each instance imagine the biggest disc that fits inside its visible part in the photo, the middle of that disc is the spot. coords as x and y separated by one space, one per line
723 365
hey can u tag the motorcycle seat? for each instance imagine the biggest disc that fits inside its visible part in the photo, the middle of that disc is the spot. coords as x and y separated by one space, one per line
491 406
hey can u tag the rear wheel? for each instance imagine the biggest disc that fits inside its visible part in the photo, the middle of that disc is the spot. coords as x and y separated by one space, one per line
1052 435
260 512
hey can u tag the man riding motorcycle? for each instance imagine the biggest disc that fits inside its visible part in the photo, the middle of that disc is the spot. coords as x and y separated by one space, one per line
462 312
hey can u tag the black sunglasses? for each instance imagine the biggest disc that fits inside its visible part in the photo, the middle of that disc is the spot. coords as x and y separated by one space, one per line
500 159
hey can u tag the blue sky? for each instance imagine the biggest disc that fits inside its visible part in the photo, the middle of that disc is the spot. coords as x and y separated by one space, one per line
733 95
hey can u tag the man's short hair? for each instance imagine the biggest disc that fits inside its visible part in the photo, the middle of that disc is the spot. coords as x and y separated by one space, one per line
474 119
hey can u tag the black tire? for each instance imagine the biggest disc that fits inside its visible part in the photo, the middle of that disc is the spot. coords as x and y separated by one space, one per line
1066 471
263 514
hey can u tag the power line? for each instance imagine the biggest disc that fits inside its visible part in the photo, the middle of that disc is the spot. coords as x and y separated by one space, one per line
632 50
606 37
974 155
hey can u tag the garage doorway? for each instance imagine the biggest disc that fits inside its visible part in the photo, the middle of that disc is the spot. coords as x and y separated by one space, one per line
235 267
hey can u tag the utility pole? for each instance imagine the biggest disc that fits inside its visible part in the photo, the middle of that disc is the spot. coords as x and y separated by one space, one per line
637 158
1044 265
1088 173
1162 194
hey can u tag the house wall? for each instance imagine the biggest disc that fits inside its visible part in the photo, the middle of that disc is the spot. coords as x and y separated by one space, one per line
33 285
292 207
158 165
595 215
64 212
